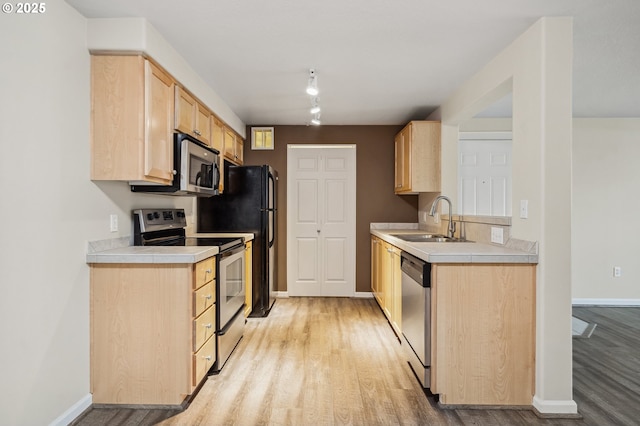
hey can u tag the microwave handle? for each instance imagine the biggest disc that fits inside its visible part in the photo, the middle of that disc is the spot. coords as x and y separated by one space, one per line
216 171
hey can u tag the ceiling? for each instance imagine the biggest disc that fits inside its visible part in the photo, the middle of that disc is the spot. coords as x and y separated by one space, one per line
381 61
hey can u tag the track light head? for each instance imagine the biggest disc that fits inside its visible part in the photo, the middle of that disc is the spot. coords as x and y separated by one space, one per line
315 107
312 86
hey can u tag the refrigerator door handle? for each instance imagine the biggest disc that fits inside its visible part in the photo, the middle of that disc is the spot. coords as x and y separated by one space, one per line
272 184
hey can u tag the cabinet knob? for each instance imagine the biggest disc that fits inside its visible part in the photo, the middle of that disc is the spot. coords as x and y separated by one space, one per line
197 132
208 357
208 325
208 297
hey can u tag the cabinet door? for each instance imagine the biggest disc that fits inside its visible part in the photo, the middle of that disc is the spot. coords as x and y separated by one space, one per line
229 145
239 150
399 162
202 128
185 111
403 160
396 297
217 134
418 144
158 141
407 169
386 278
375 267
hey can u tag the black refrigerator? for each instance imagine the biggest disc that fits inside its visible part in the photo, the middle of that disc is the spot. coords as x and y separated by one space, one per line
248 204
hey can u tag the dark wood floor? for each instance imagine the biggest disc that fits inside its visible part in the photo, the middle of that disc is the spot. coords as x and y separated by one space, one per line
606 367
338 362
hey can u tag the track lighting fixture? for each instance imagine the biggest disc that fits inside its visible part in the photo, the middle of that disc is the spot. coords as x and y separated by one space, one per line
312 90
312 86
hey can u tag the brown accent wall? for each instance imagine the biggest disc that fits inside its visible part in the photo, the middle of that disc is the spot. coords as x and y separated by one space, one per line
375 200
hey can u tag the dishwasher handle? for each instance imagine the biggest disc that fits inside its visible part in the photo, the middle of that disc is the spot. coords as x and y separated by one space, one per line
417 269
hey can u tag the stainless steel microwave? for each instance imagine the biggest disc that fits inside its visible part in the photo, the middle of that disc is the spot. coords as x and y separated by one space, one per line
196 170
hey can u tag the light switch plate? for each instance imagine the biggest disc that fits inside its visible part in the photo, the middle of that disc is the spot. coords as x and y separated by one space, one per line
113 222
524 209
497 235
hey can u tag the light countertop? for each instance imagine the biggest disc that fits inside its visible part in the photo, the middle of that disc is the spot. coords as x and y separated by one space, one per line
458 252
161 254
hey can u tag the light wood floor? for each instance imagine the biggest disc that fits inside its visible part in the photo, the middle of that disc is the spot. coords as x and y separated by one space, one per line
336 361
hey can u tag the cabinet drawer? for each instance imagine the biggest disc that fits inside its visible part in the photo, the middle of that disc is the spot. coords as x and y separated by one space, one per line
203 360
203 327
205 272
203 298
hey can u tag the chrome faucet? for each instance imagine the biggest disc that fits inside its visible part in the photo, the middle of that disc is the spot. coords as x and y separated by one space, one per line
452 226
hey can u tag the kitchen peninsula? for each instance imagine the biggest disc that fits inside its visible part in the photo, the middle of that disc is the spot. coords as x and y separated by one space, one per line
482 319
154 313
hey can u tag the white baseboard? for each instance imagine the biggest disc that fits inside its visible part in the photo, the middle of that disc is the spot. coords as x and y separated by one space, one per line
72 413
555 406
605 302
357 294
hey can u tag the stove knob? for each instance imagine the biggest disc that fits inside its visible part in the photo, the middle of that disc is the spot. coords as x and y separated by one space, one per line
156 215
149 216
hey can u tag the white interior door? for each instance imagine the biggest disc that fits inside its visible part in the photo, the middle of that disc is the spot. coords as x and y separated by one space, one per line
484 174
321 231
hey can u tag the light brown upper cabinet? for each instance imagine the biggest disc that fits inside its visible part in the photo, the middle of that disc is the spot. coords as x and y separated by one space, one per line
192 117
217 134
233 147
417 158
131 120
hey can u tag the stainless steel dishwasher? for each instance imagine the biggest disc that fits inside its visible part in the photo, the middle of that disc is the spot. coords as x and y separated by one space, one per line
416 315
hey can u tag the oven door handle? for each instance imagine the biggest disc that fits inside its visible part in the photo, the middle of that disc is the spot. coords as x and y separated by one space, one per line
230 252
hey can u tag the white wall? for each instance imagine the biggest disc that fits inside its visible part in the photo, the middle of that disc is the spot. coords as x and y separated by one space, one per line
138 35
536 67
50 209
606 202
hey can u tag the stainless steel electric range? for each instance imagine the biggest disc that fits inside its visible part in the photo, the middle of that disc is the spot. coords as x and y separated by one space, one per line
166 227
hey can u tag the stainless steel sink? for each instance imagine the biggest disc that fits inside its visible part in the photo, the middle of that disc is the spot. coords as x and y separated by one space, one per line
427 238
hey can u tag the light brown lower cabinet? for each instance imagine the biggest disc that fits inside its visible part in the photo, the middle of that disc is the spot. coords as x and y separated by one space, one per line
483 334
482 326
152 331
386 281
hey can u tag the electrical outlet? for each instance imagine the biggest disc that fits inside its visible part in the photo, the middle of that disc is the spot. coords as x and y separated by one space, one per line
497 235
524 209
113 222
617 271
